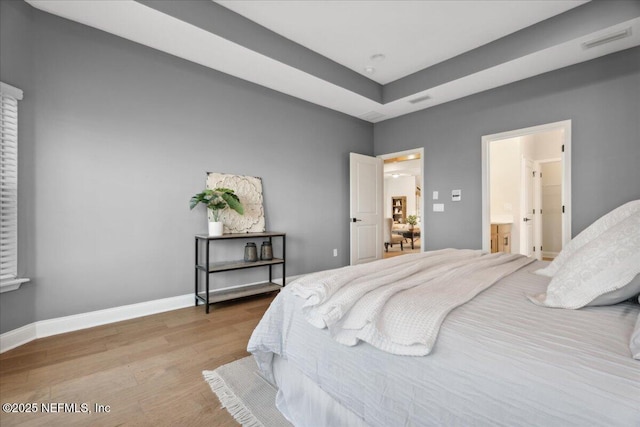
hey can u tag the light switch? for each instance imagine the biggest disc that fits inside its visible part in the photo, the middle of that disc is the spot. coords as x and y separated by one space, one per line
456 195
438 207
435 195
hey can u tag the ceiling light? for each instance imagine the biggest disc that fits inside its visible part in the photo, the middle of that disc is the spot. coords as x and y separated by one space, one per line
395 175
608 38
377 57
369 70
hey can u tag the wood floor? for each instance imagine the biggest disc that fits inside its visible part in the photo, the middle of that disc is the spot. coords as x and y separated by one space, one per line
396 251
147 370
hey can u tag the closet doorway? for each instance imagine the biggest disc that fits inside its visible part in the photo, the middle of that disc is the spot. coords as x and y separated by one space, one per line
526 183
403 202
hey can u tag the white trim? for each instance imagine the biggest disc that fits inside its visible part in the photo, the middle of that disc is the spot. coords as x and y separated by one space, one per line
11 91
524 241
422 197
11 285
402 153
17 337
537 203
76 322
564 125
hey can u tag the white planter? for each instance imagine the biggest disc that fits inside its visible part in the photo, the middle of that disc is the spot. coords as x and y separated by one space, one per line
216 228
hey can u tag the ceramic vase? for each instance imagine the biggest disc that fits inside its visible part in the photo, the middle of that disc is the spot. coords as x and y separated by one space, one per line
216 228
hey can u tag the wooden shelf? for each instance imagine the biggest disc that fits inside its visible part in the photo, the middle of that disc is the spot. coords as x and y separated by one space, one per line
240 235
216 267
399 209
219 295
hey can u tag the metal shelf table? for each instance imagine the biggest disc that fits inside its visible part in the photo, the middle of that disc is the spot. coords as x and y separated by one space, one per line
208 296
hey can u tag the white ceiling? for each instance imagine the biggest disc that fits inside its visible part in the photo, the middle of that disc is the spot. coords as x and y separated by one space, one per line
413 35
402 168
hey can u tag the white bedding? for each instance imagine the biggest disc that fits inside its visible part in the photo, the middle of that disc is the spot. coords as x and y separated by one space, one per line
378 303
498 360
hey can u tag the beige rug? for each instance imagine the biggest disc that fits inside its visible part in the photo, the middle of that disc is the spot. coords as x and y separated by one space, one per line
248 397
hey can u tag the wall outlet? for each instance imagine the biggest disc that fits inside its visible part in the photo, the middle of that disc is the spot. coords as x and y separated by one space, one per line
335 252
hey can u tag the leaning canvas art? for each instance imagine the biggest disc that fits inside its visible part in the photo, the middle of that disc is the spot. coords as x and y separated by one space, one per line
249 190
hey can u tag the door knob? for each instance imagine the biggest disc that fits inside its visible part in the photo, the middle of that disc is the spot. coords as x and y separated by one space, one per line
355 220
526 219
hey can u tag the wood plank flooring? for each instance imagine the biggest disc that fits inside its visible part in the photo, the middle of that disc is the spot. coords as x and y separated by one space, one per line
147 370
395 250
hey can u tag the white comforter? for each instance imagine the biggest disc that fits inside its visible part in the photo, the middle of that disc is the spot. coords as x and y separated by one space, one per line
398 305
499 360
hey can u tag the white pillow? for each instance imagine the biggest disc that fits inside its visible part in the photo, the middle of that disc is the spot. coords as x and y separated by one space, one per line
626 292
634 343
588 234
603 265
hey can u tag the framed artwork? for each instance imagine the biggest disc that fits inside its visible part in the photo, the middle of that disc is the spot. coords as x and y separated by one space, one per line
249 191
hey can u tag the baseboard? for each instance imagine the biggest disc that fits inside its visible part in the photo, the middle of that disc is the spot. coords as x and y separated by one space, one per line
17 337
549 254
76 322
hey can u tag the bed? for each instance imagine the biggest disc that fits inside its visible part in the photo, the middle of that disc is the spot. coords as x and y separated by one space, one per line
500 358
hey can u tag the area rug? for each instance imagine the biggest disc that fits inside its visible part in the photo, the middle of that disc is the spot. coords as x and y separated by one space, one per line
248 397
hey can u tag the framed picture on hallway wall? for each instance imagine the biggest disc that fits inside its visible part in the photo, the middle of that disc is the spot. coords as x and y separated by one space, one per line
249 191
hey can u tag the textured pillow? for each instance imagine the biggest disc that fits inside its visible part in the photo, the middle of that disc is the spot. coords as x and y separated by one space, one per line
626 292
603 265
634 344
590 233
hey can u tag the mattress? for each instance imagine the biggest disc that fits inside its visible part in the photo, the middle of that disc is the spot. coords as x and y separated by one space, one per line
498 360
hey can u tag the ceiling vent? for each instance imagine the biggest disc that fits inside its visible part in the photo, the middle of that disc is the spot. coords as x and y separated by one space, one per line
608 38
419 99
372 116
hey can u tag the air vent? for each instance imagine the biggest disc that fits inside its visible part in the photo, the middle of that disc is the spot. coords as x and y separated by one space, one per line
372 116
419 99
608 38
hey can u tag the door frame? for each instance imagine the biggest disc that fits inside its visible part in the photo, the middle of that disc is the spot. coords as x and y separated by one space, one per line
524 231
565 126
422 198
539 164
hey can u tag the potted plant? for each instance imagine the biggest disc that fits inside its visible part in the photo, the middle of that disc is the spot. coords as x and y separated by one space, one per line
216 200
412 220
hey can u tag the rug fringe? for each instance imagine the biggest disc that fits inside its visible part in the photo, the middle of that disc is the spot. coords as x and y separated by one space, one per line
230 401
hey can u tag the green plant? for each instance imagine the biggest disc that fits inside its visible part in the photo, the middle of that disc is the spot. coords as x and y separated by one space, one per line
412 220
217 200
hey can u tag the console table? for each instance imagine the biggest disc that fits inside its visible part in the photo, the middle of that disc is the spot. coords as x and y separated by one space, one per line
204 267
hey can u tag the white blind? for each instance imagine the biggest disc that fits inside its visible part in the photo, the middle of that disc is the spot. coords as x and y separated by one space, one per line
9 97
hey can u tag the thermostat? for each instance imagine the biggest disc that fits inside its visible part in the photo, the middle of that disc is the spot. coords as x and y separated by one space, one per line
456 195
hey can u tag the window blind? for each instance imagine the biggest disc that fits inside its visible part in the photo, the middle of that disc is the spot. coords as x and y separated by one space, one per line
9 97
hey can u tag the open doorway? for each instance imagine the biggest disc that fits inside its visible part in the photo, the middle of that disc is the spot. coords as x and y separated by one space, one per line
403 203
526 190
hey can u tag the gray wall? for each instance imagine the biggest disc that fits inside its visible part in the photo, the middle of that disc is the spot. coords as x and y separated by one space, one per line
114 140
601 97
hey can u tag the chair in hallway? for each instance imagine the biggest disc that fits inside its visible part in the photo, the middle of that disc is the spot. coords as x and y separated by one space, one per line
389 237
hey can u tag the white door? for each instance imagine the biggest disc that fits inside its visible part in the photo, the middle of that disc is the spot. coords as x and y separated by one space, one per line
365 208
528 218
